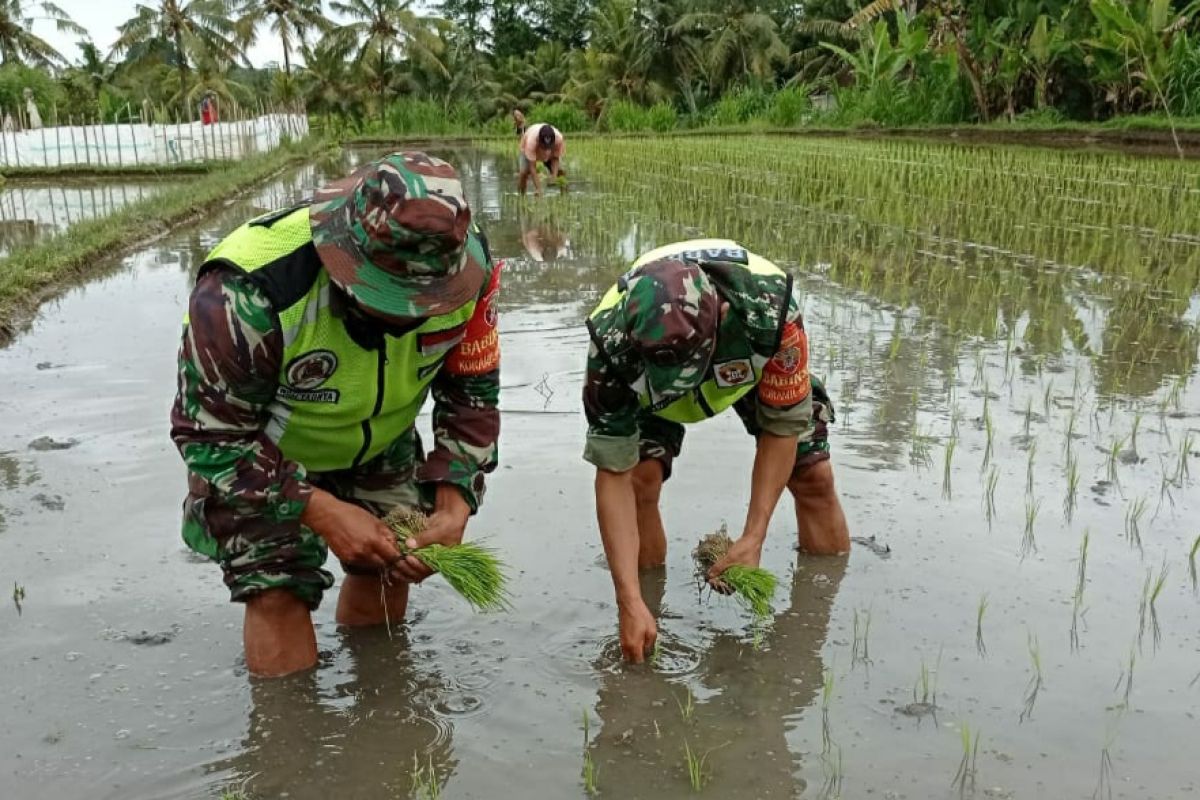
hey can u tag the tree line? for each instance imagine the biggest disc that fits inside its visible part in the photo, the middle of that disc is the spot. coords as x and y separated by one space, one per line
625 64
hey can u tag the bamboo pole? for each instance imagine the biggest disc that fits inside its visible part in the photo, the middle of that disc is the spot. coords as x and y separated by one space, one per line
57 138
16 150
104 146
45 154
87 151
120 158
4 140
74 148
133 134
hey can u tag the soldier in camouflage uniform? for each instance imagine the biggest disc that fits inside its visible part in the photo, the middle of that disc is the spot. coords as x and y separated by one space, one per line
314 336
692 329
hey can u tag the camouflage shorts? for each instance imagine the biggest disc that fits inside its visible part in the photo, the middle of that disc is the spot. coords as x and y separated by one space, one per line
257 553
662 439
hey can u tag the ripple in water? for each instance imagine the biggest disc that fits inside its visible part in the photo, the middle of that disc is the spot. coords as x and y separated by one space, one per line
587 650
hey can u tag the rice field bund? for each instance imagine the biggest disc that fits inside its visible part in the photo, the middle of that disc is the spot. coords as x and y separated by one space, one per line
1010 337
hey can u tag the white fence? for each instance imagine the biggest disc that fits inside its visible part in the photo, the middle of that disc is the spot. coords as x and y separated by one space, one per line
132 144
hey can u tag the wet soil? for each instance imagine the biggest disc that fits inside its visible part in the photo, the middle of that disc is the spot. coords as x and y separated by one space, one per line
123 673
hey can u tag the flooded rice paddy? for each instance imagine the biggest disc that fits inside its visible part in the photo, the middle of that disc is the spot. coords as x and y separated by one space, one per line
32 210
1010 337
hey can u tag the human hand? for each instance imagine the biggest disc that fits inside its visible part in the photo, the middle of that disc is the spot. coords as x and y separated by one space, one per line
746 550
446 526
355 535
639 631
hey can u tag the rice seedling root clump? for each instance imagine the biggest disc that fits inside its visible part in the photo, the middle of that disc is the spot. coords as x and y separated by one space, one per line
754 586
472 569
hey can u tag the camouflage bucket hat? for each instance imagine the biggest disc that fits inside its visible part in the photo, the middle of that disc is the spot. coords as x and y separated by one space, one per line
672 314
393 235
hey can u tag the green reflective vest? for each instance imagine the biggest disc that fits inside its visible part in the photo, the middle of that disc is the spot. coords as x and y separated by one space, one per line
337 404
737 363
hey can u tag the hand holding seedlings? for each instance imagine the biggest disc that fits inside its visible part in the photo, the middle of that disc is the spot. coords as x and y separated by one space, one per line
445 527
732 568
355 535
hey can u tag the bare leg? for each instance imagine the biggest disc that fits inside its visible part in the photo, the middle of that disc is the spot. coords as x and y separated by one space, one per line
652 536
366 600
819 515
522 180
278 634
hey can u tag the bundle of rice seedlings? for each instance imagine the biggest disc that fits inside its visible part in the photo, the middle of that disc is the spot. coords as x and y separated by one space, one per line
754 586
472 569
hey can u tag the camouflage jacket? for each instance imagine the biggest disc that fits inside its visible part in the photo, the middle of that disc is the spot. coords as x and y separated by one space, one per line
229 368
783 400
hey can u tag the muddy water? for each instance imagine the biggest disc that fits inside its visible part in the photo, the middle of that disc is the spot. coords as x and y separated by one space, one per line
30 211
123 675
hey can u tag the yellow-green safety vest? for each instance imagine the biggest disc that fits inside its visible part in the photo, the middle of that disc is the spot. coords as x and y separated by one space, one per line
709 398
337 404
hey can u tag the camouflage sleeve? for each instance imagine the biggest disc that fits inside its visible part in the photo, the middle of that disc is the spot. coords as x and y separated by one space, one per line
610 405
228 372
466 396
784 406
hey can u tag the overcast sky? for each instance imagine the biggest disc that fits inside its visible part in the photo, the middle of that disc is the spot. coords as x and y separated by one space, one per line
101 17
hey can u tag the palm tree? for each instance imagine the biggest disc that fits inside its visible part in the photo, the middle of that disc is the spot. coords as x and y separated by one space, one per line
741 40
291 20
19 44
196 30
384 27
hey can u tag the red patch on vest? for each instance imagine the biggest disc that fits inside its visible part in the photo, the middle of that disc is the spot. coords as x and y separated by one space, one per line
479 351
785 380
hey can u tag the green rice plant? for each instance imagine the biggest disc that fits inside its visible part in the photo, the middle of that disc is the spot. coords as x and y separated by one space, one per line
860 650
1028 415
1192 563
919 447
989 496
1133 518
927 683
980 610
1114 452
1137 424
1080 583
1069 434
695 765
687 706
827 683
656 654
1104 783
472 569
1028 541
1072 495
1182 471
1125 680
1155 591
831 764
1035 685
965 776
1046 397
754 586
589 773
948 457
1029 468
990 431
425 782
18 594
1144 607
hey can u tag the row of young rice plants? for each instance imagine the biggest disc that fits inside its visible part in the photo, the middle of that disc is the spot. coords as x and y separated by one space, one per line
1026 319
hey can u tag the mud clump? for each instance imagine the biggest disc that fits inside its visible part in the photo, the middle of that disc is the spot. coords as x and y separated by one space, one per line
46 443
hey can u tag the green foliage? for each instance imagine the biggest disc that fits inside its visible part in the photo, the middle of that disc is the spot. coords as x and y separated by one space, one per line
567 117
622 115
15 78
415 116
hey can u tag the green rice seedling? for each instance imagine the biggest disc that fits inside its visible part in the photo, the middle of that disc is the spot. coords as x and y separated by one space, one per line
861 649
989 496
695 764
978 377
1046 397
1192 563
472 569
831 764
827 681
1072 495
919 448
1069 434
1080 583
980 610
927 683
1182 471
1155 591
753 586
1133 518
990 430
425 782
1137 424
234 794
656 654
965 776
18 594
1144 608
1034 687
946 462
687 706
589 773
1028 415
1029 468
1104 783
1113 452
1028 541
1125 680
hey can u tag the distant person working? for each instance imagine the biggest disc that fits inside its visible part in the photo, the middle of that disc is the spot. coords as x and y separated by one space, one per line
540 142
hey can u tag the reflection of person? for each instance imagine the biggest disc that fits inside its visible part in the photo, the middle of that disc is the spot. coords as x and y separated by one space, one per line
540 142
544 242
308 742
691 330
315 335
744 705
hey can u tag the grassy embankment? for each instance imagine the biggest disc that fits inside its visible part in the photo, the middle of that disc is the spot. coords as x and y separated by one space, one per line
29 275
